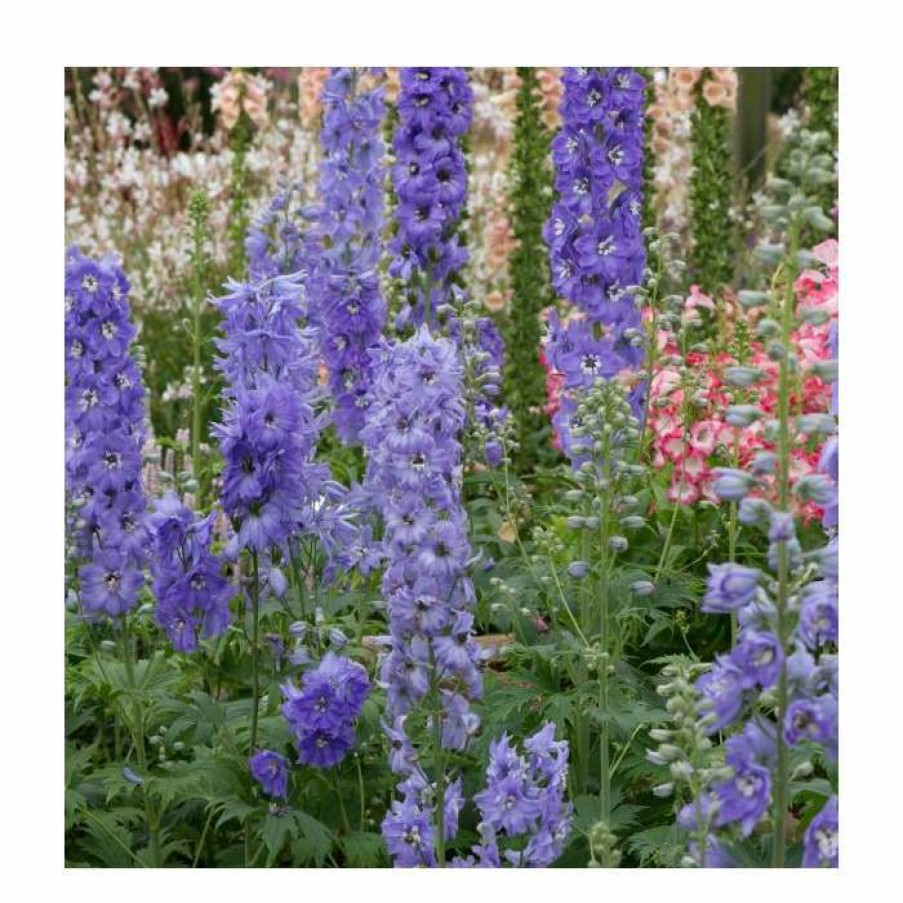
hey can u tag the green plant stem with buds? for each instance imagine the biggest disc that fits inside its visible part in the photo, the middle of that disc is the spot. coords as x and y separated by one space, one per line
199 210
531 197
711 192
781 778
240 141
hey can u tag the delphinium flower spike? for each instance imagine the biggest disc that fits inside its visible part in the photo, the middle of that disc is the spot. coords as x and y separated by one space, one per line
104 437
780 678
429 179
347 302
414 472
594 234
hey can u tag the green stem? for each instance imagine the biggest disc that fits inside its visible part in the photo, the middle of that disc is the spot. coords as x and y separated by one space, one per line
784 448
255 684
137 730
439 760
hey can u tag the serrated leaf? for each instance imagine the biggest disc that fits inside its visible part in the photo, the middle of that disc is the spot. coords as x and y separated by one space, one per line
363 849
318 838
277 830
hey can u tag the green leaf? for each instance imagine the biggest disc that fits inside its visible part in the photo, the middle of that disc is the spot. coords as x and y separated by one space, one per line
363 849
317 838
276 830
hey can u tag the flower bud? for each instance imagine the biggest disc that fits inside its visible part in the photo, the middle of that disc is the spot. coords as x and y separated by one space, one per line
824 424
731 485
742 377
742 415
618 544
750 298
578 569
642 588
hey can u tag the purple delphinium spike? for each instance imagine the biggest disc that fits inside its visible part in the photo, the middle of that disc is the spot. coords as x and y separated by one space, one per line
192 595
594 234
430 182
104 436
346 301
270 424
524 798
277 243
414 477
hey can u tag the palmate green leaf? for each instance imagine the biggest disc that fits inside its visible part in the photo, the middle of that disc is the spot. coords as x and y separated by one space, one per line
180 781
363 849
661 846
625 816
234 810
316 839
277 830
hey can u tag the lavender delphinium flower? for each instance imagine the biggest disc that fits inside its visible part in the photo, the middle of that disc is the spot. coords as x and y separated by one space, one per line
192 595
524 798
429 178
270 426
594 234
276 243
347 303
270 770
104 436
821 843
323 712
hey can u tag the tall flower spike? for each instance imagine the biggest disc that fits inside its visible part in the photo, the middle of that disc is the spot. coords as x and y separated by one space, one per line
594 235
414 476
104 436
348 305
270 426
429 178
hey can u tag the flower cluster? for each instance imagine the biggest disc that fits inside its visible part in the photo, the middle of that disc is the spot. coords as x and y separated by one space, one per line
524 801
239 93
270 427
414 471
525 818
192 595
429 178
276 242
104 436
784 660
697 421
594 234
349 307
127 176
323 712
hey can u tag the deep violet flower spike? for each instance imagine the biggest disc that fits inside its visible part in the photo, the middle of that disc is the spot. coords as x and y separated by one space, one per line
347 302
594 233
429 178
104 436
270 425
